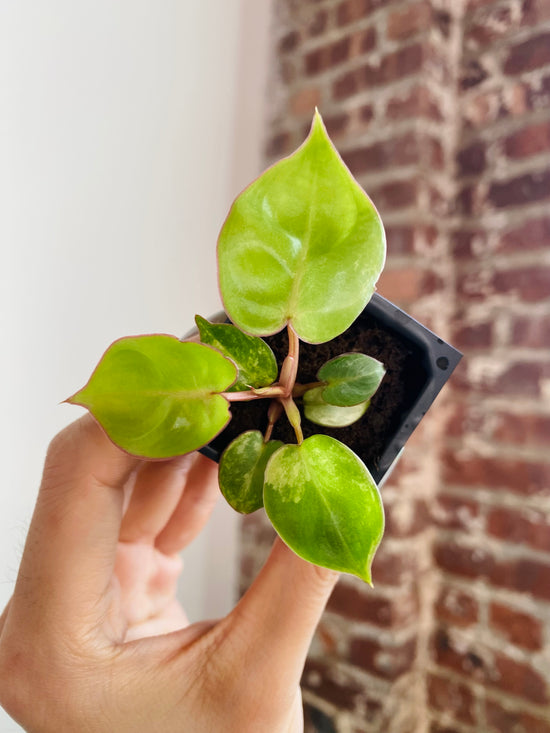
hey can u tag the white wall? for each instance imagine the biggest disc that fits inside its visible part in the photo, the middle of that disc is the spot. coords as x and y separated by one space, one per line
119 126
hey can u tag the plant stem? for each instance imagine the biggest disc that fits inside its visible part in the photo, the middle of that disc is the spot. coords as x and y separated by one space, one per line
289 370
273 414
294 418
262 393
299 390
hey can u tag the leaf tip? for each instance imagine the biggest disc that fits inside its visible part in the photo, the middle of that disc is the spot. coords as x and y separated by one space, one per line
75 399
367 577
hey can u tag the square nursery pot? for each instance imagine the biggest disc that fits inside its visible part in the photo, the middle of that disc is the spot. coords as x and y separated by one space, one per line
417 363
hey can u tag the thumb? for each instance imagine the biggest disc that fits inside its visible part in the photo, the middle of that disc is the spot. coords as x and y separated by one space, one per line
280 611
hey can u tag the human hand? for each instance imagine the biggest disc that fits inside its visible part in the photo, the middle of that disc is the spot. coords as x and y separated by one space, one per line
93 639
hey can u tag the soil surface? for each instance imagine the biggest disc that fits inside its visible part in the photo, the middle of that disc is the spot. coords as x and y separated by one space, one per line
369 436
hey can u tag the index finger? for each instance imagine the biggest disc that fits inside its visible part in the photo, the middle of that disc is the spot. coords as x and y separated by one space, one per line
69 554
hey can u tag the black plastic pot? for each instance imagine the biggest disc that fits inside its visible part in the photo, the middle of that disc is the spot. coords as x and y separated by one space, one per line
418 363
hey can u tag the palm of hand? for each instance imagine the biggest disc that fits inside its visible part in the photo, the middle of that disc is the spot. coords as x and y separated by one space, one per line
99 574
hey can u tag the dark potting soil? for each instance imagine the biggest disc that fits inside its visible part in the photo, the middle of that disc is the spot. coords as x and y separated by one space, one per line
369 436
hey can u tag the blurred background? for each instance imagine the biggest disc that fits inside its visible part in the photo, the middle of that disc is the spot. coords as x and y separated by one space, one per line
127 129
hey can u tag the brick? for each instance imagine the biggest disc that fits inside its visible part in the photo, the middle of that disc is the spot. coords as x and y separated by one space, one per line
532 234
453 512
347 85
316 61
520 378
394 569
456 607
496 23
401 63
519 628
336 124
394 66
522 429
528 141
326 57
467 562
471 160
318 678
339 51
476 336
521 680
388 662
463 418
350 11
464 242
397 151
305 101
490 668
366 40
400 240
528 55
521 477
535 12
419 102
416 519
401 284
462 657
366 113
524 576
472 74
436 154
289 42
318 24
513 526
523 189
404 23
465 201
531 284
361 604
503 717
395 195
452 698
278 145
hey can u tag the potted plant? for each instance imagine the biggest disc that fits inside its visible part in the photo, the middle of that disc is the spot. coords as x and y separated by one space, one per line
299 364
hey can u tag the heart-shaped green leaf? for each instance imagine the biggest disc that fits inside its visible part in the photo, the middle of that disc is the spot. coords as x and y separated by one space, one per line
254 359
320 412
242 468
302 244
324 504
156 396
350 379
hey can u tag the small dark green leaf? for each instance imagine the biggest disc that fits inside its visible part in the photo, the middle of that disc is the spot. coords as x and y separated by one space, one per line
323 502
156 396
254 359
320 412
303 244
242 468
351 379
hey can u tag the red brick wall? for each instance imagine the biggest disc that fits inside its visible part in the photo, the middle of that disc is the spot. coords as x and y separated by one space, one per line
441 110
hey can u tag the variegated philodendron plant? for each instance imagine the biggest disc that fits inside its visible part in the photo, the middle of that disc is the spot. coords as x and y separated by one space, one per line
301 249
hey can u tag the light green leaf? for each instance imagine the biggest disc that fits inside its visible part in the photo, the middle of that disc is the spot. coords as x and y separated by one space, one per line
351 379
242 468
155 396
302 244
320 412
324 504
254 359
